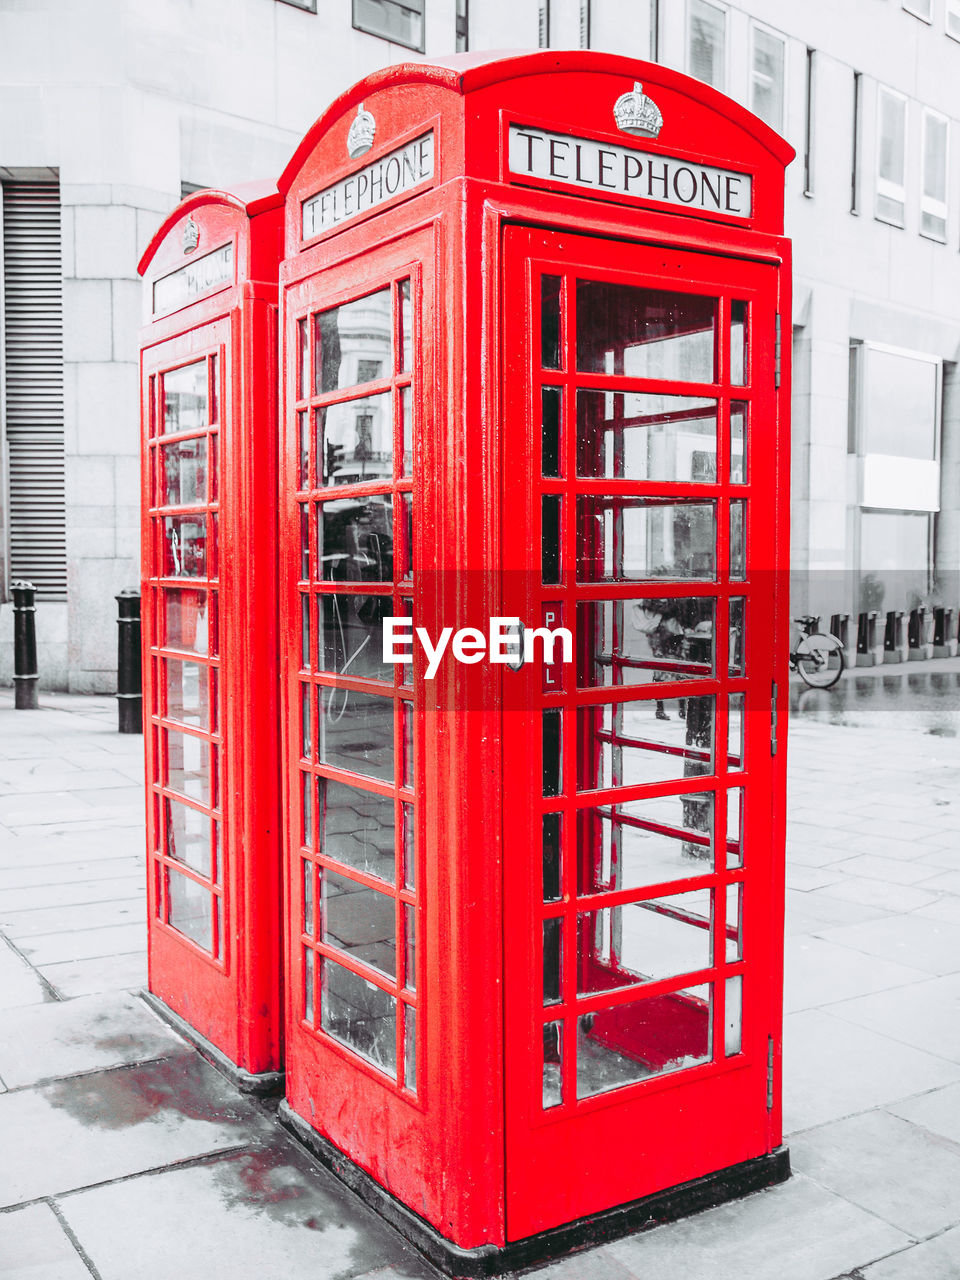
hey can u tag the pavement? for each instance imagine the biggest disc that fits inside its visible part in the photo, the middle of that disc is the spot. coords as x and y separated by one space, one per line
125 1156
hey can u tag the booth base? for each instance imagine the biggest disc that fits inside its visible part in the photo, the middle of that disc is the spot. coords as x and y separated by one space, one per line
600 1228
265 1084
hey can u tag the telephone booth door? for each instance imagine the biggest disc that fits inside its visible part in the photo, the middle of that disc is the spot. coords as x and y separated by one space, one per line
642 932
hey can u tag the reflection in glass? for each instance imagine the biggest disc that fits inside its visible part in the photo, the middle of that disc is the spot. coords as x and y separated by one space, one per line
739 413
356 539
304 541
406 418
633 436
185 546
645 333
409 761
632 1042
189 764
306 739
643 842
645 540
552 760
358 921
303 451
643 941
735 657
309 880
734 925
630 743
358 1014
406 327
305 631
644 640
410 939
550 398
550 322
737 555
357 828
552 1064
185 398
409 848
306 786
187 620
550 537
189 909
184 467
355 440
552 960
356 732
308 984
739 363
351 635
410 1048
735 732
406 516
349 340
735 827
188 836
551 856
733 1016
187 693
303 359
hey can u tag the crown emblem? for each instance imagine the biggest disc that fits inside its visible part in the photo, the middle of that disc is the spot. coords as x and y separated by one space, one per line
191 236
360 134
634 112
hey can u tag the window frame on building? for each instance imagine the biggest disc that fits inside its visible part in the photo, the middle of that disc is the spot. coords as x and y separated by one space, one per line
856 158
543 24
308 6
951 15
721 9
931 206
922 9
368 27
461 26
809 110
888 188
761 29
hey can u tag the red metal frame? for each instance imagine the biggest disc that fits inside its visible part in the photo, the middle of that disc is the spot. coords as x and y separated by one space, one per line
219 970
469 1153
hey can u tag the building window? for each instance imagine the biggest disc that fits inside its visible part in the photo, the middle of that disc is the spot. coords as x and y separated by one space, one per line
543 24
463 26
857 135
766 78
933 193
606 31
891 155
584 24
391 20
952 19
809 106
920 9
706 50
310 6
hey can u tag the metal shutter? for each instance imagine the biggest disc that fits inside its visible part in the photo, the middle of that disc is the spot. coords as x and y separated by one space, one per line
33 385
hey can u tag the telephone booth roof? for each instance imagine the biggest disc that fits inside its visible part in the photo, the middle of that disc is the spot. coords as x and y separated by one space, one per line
567 95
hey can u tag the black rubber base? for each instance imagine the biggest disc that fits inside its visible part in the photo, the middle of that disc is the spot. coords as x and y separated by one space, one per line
600 1228
266 1084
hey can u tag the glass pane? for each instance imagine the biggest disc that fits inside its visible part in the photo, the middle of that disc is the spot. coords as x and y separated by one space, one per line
767 95
409 761
187 619
631 743
214 391
900 405
308 984
217 855
410 939
739 411
645 539
345 336
552 1064
552 827
552 760
351 635
935 158
304 541
737 553
305 631
733 1016
309 895
632 1042
356 539
893 114
410 1048
357 829
629 436
303 359
639 641
188 836
307 788
189 763
406 417
734 827
190 909
552 960
735 732
355 440
406 515
303 450
707 42
306 737
550 322
185 398
550 537
894 555
406 327
739 340
401 23
409 848
358 1014
642 842
185 546
736 650
734 923
550 401
187 693
643 941
645 333
359 921
356 732
184 467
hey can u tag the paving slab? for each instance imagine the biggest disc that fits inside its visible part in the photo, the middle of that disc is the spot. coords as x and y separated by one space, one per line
19 984
880 893
924 1014
819 973
833 1069
938 1111
893 870
39 897
937 1259
69 917
923 944
797 1231
49 1042
93 1128
917 1191
83 944
264 1213
126 972
75 870
34 1246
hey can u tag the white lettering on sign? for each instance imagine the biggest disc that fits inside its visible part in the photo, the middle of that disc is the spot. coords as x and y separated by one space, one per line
603 166
400 171
202 276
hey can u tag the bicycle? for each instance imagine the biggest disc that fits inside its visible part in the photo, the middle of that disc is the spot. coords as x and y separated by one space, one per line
818 656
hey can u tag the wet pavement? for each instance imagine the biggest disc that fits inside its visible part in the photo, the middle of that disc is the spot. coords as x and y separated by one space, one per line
125 1156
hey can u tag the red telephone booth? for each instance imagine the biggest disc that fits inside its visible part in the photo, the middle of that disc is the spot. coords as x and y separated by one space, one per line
532 322
208 404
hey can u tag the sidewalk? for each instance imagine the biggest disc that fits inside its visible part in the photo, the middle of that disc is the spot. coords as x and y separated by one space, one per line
123 1155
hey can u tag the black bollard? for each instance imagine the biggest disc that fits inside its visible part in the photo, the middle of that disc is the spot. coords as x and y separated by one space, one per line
26 678
129 687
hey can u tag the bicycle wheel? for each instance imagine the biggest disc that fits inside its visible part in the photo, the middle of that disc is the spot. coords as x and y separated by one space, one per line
820 660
